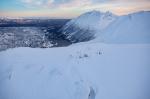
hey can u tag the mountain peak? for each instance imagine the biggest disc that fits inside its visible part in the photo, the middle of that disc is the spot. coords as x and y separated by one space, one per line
87 24
96 12
93 12
107 27
92 19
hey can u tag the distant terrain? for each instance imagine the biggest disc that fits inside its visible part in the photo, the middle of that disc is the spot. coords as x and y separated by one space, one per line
42 33
4 22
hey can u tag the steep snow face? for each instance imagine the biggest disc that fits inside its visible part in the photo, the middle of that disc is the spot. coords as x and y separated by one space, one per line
93 20
108 28
132 28
84 27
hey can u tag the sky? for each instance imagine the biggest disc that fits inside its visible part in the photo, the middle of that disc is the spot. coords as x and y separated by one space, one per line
68 8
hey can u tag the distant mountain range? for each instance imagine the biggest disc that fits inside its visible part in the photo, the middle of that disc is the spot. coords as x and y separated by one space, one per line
5 22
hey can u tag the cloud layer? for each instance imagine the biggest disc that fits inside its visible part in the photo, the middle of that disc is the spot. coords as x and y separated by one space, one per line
72 8
56 3
104 5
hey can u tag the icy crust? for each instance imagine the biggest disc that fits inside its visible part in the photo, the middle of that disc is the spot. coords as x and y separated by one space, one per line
108 28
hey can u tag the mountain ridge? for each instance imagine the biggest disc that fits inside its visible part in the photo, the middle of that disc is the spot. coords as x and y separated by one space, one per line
103 26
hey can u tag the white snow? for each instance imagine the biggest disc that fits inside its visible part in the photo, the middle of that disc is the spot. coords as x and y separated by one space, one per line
109 28
105 71
88 25
93 20
133 28
118 68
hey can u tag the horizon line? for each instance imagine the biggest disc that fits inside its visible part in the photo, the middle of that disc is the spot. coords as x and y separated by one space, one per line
59 17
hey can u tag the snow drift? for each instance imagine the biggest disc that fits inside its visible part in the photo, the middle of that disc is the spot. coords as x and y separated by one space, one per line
83 71
109 28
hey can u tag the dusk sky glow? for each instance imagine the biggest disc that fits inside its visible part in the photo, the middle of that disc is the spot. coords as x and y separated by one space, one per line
68 8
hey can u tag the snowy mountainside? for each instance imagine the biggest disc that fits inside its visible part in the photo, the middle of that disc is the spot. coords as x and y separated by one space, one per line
132 28
108 28
82 71
85 26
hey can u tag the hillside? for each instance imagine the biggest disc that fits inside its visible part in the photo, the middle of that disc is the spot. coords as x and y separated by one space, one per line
109 28
83 71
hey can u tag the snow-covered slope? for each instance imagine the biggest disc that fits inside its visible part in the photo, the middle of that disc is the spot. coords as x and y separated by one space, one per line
82 71
133 28
84 27
108 28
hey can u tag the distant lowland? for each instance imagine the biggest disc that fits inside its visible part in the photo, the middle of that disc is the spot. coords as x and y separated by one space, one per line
35 33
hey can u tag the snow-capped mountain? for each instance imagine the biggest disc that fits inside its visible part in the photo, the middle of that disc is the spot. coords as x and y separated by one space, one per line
107 27
132 28
84 27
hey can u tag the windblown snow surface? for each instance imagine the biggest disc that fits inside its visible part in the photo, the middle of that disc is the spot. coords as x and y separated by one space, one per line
112 71
87 70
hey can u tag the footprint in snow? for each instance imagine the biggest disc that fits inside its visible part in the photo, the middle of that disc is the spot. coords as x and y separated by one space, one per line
92 93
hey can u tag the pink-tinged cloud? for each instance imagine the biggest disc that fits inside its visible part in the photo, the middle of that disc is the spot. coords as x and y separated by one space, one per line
73 8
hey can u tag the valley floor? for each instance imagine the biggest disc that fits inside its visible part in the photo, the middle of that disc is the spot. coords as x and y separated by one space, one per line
80 71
